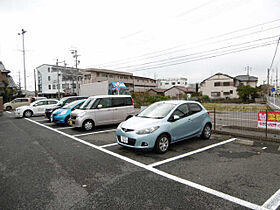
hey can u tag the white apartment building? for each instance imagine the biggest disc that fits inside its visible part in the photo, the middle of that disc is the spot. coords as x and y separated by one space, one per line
56 80
171 82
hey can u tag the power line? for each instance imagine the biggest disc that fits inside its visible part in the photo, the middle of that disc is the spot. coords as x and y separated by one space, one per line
203 58
168 49
274 54
188 55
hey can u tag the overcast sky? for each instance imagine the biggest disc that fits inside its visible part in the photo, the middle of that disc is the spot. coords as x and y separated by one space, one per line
151 38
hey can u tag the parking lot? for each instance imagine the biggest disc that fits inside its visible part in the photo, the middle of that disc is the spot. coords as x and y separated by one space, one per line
246 175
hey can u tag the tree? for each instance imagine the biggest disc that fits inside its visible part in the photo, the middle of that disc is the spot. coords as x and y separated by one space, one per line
246 92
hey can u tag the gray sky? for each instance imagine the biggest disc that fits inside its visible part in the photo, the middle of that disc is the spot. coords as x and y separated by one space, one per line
178 38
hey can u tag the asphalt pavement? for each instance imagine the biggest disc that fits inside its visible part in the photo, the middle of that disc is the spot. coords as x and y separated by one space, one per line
49 167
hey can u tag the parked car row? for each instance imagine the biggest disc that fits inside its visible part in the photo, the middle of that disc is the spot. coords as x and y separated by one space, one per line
12 105
155 127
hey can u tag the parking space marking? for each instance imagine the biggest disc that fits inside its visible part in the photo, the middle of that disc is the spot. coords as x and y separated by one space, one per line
191 153
273 202
64 128
96 132
109 145
41 120
9 112
161 173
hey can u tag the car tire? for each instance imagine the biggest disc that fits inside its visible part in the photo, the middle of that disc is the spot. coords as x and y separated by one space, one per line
88 125
8 108
162 144
67 120
206 133
27 113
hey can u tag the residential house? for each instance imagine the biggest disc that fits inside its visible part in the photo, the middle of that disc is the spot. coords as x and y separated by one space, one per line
6 82
224 86
178 91
156 91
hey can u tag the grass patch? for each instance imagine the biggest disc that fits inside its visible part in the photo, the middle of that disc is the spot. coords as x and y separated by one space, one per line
235 107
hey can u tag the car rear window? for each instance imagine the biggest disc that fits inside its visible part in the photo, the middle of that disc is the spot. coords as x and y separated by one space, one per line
24 100
121 101
194 108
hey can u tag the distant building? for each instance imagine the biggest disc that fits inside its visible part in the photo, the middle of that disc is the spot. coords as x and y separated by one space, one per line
6 81
134 83
157 91
168 83
224 86
56 80
178 91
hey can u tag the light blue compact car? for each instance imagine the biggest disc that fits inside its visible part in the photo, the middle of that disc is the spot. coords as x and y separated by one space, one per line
63 115
164 123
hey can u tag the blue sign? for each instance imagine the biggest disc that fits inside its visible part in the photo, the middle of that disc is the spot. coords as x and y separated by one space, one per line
118 88
273 89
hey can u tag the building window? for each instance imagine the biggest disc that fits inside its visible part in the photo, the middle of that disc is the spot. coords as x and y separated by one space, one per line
97 74
87 77
231 91
50 87
53 87
173 83
226 93
58 86
217 84
215 94
167 83
178 83
49 78
226 84
49 70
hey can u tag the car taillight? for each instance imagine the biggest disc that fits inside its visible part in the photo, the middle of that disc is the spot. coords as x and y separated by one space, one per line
132 101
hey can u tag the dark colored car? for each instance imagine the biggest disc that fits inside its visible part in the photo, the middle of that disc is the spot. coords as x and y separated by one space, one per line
63 102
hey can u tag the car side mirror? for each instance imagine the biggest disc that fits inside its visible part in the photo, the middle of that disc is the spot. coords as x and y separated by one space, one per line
34 104
99 106
174 118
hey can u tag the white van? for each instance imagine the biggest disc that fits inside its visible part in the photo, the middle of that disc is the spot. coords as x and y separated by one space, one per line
102 110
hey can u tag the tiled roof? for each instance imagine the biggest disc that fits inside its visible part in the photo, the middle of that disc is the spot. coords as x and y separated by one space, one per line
158 90
186 90
246 78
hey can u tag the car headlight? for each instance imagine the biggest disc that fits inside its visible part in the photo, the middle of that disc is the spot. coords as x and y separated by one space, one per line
63 112
147 130
17 109
119 126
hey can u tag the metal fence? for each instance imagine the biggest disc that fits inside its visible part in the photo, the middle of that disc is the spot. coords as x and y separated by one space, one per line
274 102
245 124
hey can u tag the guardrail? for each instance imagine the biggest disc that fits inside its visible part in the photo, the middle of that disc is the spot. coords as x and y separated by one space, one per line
273 102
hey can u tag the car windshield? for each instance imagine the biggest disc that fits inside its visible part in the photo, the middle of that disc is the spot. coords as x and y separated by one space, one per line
88 104
157 110
61 102
71 105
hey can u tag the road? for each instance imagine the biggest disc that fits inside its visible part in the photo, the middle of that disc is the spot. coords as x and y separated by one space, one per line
45 166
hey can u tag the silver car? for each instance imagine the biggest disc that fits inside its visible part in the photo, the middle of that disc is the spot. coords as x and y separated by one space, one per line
164 123
102 110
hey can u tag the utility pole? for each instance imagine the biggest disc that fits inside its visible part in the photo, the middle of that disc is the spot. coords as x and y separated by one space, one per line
76 75
23 52
35 83
19 83
268 82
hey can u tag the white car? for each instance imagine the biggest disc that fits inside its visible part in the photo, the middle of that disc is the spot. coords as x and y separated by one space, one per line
35 108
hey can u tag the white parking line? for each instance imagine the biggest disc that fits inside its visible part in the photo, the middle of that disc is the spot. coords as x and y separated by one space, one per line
273 202
96 132
64 128
109 145
41 120
161 173
191 153
9 112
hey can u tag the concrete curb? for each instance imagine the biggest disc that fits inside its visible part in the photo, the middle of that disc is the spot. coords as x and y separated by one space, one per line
244 142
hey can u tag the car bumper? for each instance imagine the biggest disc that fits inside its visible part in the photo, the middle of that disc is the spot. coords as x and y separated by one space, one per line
136 141
58 119
18 114
78 123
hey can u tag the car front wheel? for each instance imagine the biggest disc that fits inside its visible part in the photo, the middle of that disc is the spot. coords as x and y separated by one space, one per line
206 133
88 125
27 113
162 144
8 108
